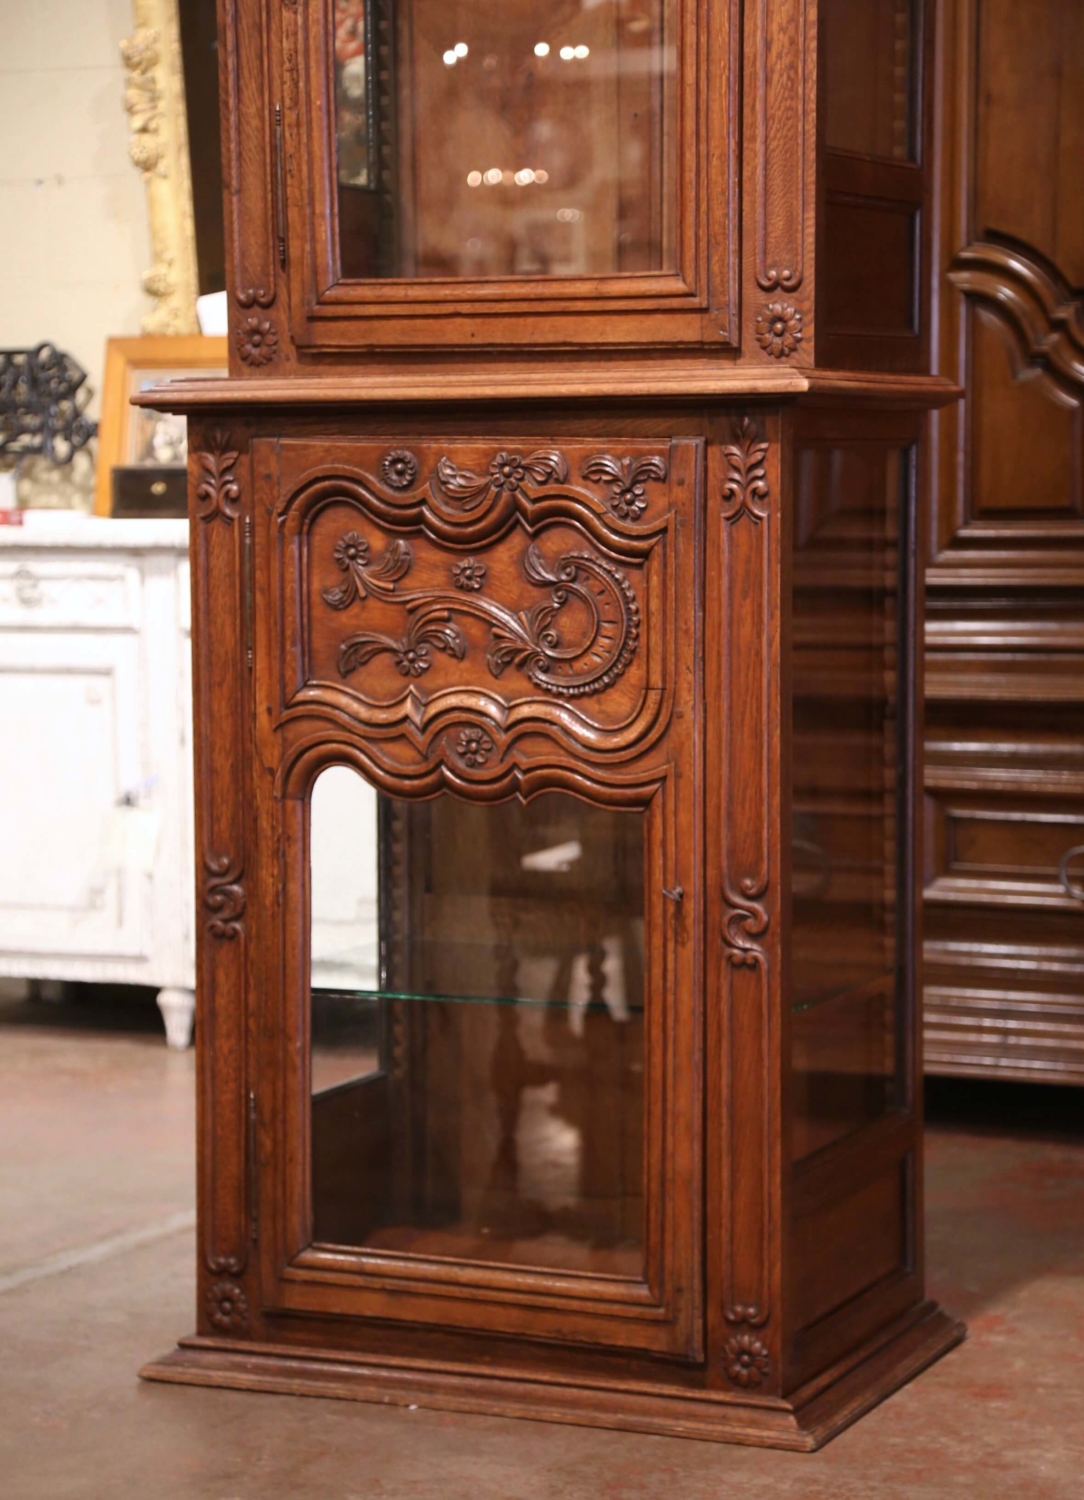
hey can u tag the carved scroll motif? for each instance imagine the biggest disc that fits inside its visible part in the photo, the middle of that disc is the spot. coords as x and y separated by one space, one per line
526 639
223 896
218 493
255 296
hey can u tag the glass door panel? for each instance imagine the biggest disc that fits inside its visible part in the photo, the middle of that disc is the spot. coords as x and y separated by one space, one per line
846 969
477 1028
869 53
494 138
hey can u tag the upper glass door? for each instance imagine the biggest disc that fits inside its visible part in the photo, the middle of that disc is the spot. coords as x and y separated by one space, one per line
501 138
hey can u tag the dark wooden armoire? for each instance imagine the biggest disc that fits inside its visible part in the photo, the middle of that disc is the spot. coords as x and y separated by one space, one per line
1005 585
558 735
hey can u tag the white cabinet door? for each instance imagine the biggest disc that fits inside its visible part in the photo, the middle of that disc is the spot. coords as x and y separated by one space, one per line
72 748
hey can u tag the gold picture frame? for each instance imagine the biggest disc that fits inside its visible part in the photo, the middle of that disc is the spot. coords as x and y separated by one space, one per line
155 100
127 435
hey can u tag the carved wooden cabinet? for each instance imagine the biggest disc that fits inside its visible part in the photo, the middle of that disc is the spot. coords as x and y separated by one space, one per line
555 580
1005 669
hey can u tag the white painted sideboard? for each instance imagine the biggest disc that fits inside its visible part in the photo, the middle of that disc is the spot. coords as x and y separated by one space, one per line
96 878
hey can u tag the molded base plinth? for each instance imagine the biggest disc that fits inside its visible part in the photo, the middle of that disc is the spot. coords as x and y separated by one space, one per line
805 1421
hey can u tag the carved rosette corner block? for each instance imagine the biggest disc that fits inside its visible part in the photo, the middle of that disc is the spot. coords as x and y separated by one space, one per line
779 329
526 639
627 478
257 340
746 1361
745 492
218 493
223 896
227 1306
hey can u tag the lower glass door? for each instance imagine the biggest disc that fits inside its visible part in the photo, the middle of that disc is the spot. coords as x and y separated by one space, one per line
477 1028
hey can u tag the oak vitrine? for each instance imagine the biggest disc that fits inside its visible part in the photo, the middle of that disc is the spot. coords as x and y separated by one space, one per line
557 736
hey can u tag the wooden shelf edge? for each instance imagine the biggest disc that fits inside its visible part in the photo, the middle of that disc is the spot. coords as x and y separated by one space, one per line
801 1427
626 381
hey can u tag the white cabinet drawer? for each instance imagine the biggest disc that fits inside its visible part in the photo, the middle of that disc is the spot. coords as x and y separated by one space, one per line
49 592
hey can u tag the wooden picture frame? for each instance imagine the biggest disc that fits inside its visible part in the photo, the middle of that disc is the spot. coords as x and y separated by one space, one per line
132 365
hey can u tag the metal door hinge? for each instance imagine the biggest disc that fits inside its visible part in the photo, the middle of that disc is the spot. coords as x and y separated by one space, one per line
248 591
253 1168
280 190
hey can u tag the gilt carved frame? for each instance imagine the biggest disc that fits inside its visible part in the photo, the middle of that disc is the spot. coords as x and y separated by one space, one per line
155 101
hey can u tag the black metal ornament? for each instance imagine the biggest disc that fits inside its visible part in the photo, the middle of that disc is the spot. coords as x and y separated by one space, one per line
43 397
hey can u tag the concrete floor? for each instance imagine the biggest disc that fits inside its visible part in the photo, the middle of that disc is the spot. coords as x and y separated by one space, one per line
96 1263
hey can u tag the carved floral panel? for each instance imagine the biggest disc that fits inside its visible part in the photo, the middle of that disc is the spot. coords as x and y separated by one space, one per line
518 582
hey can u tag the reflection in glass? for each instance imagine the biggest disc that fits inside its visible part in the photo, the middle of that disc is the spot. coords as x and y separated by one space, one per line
845 790
479 1094
869 63
501 139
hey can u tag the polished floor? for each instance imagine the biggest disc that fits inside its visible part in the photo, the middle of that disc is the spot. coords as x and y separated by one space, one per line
96 1258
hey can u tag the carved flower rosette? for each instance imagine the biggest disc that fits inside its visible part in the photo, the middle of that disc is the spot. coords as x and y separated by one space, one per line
746 1361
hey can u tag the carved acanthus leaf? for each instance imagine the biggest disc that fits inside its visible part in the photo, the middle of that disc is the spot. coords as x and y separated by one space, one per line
745 492
218 493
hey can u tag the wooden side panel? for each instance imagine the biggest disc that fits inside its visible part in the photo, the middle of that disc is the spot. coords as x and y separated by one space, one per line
874 1217
873 298
221 510
779 181
251 165
745 1035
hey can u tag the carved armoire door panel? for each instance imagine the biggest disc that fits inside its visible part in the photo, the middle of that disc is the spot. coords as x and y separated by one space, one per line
467 621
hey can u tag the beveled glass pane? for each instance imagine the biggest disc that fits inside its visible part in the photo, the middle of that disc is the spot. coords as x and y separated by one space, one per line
846 1016
481 1095
870 76
494 138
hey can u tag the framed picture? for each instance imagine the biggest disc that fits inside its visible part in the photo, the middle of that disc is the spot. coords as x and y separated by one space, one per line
142 454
